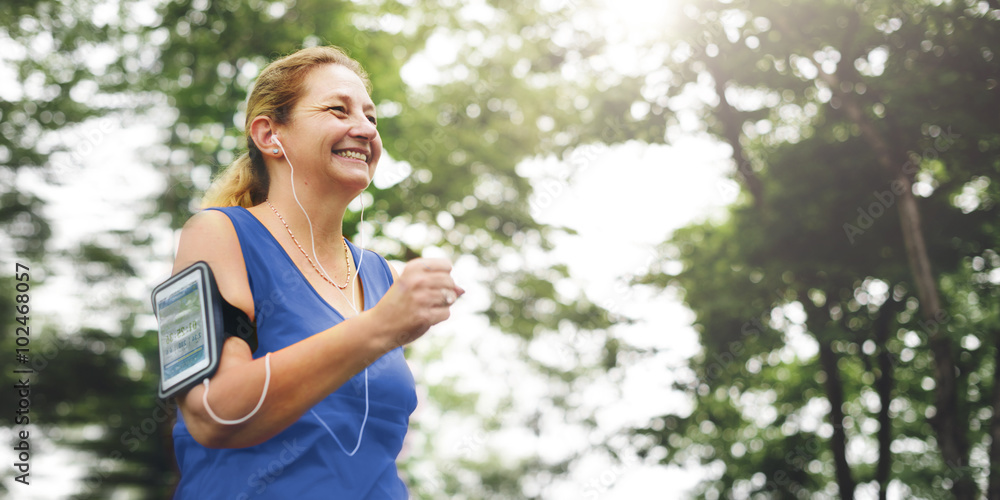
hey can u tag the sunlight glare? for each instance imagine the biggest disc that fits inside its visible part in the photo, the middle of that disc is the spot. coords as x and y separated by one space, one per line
642 20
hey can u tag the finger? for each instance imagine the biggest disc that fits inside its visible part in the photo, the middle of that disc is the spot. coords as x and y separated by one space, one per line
424 264
436 281
439 297
441 314
444 301
435 265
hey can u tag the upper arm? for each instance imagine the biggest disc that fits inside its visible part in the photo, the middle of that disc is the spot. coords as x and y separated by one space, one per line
210 236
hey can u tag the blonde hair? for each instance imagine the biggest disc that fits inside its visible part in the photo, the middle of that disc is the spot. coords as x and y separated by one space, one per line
278 87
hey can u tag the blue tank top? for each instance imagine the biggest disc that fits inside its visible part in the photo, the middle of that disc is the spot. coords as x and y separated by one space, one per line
304 461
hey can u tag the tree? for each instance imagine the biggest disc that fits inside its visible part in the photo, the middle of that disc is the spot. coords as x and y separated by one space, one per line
833 138
501 100
54 116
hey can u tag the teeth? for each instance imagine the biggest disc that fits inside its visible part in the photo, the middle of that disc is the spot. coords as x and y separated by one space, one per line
352 155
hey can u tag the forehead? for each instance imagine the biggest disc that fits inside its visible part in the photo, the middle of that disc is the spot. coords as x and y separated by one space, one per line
335 81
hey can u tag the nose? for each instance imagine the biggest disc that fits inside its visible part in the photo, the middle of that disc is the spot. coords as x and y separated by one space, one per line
363 128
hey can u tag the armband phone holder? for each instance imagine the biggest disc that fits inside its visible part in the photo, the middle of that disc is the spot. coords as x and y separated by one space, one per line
194 321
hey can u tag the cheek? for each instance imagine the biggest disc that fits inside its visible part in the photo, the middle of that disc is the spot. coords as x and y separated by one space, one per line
376 152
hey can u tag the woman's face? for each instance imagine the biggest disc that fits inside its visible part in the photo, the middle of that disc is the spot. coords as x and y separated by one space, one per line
331 133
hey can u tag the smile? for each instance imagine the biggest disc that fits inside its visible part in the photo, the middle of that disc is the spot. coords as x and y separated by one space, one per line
354 155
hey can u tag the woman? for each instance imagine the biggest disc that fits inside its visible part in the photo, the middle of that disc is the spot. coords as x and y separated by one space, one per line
320 409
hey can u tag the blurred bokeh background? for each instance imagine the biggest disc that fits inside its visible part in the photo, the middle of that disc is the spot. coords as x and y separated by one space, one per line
714 249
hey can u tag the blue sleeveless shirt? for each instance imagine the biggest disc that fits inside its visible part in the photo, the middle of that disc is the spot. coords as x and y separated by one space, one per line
307 460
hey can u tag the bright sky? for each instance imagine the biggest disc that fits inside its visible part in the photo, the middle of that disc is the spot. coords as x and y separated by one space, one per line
631 200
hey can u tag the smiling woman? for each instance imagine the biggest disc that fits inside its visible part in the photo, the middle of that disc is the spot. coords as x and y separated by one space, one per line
301 417
275 92
333 124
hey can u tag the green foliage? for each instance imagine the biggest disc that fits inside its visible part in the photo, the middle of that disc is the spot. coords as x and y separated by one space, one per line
503 99
812 258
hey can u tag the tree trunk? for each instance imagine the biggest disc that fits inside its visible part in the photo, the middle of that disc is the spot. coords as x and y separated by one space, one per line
883 385
835 393
947 425
731 125
993 490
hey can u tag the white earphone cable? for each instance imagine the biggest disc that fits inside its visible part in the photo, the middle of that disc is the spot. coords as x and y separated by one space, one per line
267 382
360 432
350 302
313 239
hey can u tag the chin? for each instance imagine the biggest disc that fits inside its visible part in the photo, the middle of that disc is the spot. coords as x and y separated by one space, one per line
357 184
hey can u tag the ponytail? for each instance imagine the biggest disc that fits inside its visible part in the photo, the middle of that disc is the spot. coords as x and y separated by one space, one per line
243 183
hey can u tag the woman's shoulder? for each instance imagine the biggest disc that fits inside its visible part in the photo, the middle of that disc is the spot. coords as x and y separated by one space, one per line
209 215
210 236
207 235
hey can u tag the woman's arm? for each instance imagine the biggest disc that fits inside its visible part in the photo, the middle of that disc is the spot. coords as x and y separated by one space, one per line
306 372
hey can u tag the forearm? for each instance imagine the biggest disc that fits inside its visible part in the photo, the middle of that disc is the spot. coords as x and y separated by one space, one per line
301 376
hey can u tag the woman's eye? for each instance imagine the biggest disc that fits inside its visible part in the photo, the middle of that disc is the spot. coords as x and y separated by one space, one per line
339 109
373 120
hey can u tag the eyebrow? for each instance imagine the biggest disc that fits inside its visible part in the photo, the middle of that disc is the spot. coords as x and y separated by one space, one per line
368 106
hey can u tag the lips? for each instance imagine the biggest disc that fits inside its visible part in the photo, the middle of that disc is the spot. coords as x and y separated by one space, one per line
352 154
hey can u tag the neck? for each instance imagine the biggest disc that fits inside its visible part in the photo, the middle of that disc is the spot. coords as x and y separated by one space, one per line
326 215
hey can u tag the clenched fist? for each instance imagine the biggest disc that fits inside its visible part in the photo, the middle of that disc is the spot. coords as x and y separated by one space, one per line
420 298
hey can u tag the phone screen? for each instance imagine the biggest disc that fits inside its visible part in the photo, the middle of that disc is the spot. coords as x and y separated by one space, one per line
183 334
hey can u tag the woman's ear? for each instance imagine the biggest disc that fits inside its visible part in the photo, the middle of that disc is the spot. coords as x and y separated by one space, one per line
262 133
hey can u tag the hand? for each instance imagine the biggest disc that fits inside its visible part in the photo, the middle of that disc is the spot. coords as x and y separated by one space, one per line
420 298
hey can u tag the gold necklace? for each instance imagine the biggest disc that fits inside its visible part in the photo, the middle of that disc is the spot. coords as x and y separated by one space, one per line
347 259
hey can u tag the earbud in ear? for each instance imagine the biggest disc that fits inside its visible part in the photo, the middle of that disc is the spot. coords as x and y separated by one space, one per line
278 142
